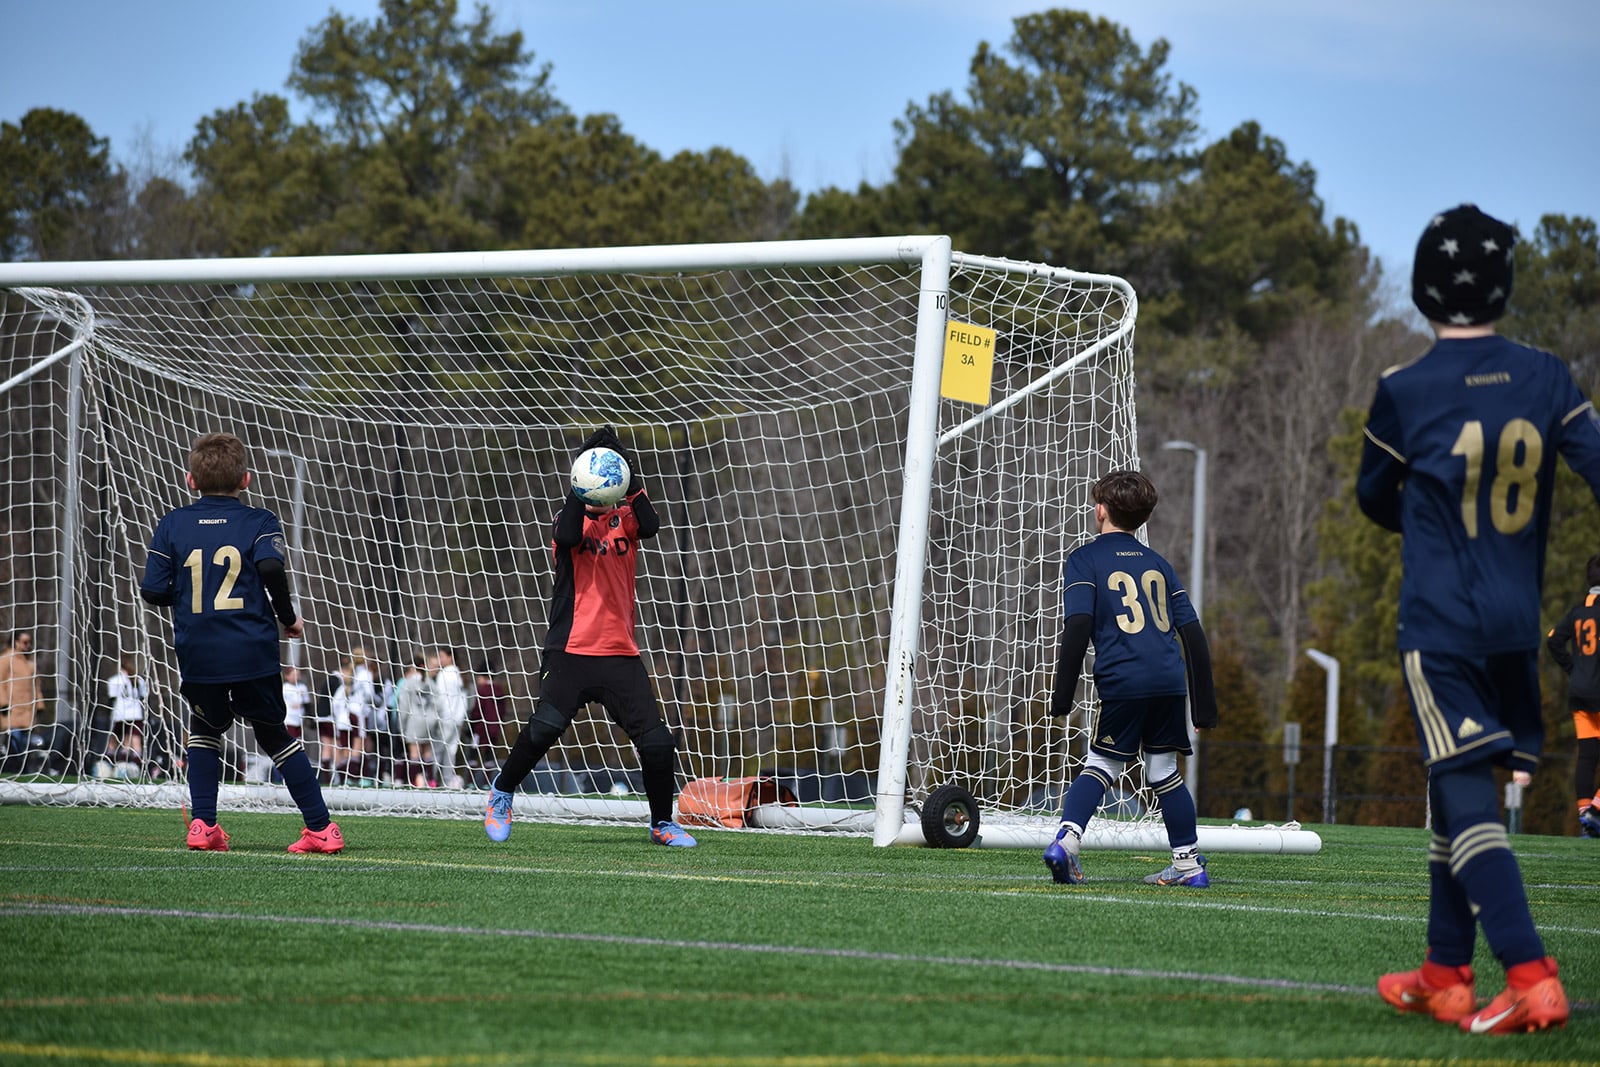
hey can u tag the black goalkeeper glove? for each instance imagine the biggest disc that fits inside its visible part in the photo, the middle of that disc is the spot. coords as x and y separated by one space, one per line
606 437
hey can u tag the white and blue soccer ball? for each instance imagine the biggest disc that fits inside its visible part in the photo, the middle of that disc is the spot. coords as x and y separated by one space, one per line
600 477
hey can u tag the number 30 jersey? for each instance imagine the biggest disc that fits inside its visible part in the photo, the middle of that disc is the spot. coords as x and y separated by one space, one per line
1137 605
1460 455
205 555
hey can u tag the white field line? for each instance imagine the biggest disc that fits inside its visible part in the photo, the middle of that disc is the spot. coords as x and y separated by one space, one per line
189 915
864 880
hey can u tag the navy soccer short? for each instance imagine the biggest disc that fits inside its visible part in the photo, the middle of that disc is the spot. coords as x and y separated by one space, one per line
619 683
1154 724
1472 708
219 703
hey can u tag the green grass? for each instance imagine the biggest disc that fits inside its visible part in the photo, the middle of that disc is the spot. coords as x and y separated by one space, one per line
424 944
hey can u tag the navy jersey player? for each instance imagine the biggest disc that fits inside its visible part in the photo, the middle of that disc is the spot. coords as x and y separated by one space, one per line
591 654
219 565
1120 593
1459 458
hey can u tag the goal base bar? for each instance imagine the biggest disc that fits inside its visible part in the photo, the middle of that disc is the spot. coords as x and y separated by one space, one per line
1100 836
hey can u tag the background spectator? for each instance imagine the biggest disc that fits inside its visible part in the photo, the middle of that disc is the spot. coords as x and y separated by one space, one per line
21 700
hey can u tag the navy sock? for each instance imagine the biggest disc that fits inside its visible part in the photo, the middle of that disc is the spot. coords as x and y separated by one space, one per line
1177 811
205 777
1084 796
1466 810
301 779
1491 879
1452 931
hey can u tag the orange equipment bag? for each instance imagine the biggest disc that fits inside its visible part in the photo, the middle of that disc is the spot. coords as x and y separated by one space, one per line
729 801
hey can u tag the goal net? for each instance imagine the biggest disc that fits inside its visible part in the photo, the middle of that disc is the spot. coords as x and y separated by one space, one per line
855 591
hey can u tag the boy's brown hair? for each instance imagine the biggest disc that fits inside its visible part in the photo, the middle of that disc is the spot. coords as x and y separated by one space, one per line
1592 571
217 463
1129 498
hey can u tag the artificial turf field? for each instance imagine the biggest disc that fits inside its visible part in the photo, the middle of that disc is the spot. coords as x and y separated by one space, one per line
425 944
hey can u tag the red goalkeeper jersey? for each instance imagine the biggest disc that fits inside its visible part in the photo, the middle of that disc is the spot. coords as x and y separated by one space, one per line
594 605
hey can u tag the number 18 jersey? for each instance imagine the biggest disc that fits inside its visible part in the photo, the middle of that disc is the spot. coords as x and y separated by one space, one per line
1460 456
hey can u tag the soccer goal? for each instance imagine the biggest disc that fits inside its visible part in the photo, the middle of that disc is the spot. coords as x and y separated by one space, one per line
871 457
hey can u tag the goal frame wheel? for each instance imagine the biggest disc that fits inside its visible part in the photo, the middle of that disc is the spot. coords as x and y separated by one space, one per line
950 818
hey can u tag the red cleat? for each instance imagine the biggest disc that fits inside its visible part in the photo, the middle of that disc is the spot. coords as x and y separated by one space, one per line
1408 991
1515 1011
328 840
203 838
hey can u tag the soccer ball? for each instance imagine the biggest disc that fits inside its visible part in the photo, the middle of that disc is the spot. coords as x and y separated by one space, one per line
600 477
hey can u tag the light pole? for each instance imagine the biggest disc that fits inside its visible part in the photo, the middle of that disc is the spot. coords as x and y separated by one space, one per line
1330 729
1197 582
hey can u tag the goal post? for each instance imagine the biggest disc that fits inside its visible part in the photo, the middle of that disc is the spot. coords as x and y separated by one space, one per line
855 591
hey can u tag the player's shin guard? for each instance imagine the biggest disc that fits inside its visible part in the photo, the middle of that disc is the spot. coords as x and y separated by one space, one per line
1583 769
1466 806
1177 811
658 749
289 756
543 729
1452 930
1084 795
204 756
1482 862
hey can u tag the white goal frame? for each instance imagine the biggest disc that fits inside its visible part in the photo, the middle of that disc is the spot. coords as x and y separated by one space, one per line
930 256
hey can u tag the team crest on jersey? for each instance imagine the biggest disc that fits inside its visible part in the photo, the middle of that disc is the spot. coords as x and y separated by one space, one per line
278 544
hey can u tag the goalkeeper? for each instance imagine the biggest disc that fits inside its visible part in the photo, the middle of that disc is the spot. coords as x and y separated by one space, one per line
590 653
1127 598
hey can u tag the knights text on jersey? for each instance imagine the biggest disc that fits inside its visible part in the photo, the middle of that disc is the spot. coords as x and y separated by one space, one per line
205 556
1460 457
1138 605
593 606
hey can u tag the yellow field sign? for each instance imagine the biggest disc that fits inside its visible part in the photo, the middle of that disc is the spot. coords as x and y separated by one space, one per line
968 363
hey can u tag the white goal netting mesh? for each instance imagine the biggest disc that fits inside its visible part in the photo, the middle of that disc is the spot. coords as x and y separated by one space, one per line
414 436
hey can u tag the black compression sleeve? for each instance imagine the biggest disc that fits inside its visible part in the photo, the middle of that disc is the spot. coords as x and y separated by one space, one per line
275 580
160 600
569 522
1197 661
645 512
1075 634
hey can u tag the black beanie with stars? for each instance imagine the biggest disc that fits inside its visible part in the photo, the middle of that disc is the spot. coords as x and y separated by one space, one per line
1462 272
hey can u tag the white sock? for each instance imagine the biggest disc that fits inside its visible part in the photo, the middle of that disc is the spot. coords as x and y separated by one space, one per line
1072 839
1185 858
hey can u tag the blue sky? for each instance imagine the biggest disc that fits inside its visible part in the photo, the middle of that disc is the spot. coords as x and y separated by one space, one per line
1402 106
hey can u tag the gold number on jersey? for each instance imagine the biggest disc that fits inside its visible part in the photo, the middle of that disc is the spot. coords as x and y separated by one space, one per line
227 556
1154 584
1518 455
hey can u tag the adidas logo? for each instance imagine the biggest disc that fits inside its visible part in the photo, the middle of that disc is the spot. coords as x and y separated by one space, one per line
1108 740
1468 728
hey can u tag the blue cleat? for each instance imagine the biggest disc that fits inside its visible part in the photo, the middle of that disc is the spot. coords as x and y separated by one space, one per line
497 822
670 833
1589 823
1195 879
1064 867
